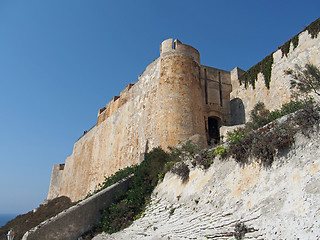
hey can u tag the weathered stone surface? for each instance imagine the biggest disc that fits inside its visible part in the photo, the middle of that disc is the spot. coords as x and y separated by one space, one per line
174 99
118 141
55 183
180 103
166 106
79 219
280 202
308 51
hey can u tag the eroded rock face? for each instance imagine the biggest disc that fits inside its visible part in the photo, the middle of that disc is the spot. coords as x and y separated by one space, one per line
280 202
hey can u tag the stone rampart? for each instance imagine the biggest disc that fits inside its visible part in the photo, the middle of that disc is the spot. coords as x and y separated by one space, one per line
307 51
119 139
55 182
174 99
165 107
77 220
180 102
216 88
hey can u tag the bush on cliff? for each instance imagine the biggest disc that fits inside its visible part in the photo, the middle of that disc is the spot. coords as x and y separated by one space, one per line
129 205
259 138
262 139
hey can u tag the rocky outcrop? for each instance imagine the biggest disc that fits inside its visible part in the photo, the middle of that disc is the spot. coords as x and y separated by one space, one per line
280 202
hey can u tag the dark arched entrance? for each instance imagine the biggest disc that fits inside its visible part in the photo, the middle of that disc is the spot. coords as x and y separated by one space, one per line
237 112
213 130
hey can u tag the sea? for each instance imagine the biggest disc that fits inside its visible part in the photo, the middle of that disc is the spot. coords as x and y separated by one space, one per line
4 218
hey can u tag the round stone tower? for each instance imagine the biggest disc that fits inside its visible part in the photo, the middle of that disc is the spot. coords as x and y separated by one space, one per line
180 101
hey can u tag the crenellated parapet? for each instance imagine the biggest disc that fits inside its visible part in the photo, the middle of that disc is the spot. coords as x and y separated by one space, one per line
114 104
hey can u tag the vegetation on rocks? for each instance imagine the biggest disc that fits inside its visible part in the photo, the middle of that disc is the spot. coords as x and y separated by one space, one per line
130 205
182 170
263 137
240 230
25 222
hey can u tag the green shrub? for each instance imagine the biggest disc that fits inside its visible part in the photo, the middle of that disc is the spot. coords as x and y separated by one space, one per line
259 116
114 178
308 117
306 79
168 166
190 148
205 159
264 142
240 149
236 136
221 151
182 170
129 205
291 107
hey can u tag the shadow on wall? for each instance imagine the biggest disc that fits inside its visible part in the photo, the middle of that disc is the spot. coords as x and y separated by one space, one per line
237 112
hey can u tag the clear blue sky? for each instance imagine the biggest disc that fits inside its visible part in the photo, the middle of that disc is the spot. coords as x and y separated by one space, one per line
61 61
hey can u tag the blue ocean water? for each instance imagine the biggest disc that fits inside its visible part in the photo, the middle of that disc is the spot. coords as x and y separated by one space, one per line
4 218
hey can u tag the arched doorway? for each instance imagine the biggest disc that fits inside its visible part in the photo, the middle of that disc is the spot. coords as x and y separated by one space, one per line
213 130
237 112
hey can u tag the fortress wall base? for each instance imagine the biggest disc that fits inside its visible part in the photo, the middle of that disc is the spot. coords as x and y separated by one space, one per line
77 220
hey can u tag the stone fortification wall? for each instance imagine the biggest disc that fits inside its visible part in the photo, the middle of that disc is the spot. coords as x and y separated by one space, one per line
307 51
180 101
174 99
79 219
56 178
125 130
165 107
216 88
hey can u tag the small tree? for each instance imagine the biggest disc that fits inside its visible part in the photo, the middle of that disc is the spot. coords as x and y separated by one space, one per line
259 116
306 80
